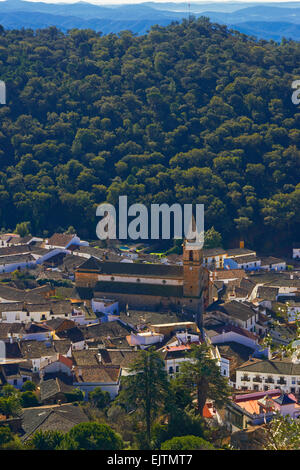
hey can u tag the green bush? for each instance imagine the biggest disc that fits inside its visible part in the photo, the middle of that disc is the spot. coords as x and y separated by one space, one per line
187 443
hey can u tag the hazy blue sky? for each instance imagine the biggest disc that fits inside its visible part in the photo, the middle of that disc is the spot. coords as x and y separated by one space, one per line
110 2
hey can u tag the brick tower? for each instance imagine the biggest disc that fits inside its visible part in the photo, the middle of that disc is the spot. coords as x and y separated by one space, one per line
194 278
192 271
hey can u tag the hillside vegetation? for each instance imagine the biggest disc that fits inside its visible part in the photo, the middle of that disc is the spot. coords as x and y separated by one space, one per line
189 113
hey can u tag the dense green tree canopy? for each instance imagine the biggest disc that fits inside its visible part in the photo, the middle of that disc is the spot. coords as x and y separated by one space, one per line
92 436
190 113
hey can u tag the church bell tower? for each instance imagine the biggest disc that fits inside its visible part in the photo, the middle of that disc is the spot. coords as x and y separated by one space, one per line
192 271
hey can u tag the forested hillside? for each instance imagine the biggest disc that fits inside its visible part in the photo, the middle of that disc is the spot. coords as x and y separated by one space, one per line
190 113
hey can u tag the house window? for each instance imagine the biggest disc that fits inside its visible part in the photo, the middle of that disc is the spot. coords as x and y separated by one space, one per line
191 255
177 368
171 370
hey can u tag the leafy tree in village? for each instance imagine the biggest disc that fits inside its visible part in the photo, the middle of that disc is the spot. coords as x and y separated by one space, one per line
28 386
92 436
282 433
201 375
99 398
212 238
8 390
146 387
5 435
10 406
45 440
23 229
74 395
28 399
180 422
8 440
187 443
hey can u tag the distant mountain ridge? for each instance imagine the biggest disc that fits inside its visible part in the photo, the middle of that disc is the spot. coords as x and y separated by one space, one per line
267 21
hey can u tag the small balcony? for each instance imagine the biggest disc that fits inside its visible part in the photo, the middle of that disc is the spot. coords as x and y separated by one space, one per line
281 382
257 379
269 380
245 379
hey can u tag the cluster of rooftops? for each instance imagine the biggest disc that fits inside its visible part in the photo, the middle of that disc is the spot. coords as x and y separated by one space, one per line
63 336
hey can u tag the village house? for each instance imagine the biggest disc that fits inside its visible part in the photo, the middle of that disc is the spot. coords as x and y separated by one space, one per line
249 263
213 258
16 373
109 307
273 264
88 377
14 312
240 314
54 391
254 409
296 251
58 364
263 375
64 241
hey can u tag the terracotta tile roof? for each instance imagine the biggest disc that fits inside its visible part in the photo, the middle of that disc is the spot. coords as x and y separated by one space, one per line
60 239
97 374
229 274
65 360
206 412
122 358
85 357
250 402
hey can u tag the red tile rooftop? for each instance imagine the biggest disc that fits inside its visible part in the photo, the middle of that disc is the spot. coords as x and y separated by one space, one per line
256 395
249 402
181 347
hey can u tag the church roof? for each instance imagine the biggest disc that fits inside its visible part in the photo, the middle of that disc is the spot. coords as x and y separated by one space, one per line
132 269
161 290
91 264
